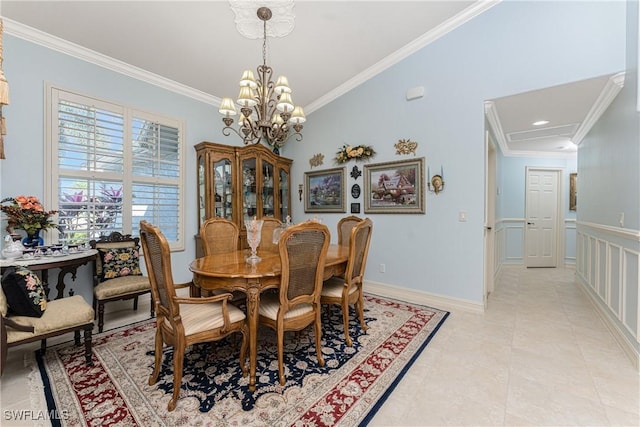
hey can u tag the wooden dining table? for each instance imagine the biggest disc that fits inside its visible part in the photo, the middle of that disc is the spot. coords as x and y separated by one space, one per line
231 272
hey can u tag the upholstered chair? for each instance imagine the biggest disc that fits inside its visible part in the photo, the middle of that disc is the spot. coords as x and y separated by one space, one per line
117 275
184 321
347 290
303 250
21 325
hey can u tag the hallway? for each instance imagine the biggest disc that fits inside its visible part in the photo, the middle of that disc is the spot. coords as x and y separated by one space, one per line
538 356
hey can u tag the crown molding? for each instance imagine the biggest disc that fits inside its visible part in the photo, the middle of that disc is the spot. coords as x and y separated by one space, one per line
606 97
407 50
68 48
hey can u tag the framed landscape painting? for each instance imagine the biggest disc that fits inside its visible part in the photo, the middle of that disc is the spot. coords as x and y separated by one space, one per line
325 191
395 187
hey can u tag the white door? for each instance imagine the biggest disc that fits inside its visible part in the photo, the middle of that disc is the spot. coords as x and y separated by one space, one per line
541 235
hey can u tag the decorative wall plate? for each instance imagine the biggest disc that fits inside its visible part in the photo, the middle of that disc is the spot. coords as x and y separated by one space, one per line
355 172
355 191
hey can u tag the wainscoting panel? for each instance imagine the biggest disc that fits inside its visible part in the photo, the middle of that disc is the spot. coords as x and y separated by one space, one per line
608 267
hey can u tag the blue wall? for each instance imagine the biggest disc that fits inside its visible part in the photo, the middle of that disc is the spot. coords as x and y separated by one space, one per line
514 47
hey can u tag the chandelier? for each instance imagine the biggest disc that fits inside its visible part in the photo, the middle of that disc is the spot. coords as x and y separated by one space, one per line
275 118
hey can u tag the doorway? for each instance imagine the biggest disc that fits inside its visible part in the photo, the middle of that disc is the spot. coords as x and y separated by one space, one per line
542 217
489 216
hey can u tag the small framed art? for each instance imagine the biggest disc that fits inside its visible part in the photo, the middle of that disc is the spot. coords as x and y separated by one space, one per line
325 191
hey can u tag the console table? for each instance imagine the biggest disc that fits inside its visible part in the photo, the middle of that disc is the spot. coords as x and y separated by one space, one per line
68 264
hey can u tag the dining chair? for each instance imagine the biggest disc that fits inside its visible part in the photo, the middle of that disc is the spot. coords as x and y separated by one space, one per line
266 237
344 228
303 250
219 235
116 273
347 290
184 321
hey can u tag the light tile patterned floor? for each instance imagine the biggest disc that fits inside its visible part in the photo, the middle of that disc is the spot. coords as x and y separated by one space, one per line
539 356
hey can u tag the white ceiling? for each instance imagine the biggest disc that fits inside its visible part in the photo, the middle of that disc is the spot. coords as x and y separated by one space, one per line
334 46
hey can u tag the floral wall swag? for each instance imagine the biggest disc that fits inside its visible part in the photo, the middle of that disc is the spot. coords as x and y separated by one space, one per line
357 153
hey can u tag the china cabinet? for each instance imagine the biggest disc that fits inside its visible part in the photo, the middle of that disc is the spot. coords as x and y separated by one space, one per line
240 183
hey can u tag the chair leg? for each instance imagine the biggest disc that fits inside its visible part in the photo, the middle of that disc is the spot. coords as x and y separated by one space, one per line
157 358
43 346
87 345
153 306
318 327
281 356
178 359
360 309
345 322
76 337
243 352
135 303
100 316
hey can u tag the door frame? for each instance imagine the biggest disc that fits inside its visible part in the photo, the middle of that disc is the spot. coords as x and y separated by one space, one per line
560 231
490 181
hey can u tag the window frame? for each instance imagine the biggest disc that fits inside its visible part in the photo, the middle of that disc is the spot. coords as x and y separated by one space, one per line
52 94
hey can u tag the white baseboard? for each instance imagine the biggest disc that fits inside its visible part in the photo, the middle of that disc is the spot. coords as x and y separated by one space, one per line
422 298
627 347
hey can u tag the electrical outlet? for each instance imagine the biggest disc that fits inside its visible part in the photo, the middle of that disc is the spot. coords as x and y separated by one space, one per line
383 268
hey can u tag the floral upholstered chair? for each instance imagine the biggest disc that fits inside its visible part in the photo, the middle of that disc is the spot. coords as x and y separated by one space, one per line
117 274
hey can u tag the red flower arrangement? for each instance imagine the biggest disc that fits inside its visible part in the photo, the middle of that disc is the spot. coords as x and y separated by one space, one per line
27 213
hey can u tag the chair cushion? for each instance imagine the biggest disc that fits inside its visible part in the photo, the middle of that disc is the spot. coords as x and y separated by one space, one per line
121 286
119 262
61 314
270 303
203 317
333 287
24 292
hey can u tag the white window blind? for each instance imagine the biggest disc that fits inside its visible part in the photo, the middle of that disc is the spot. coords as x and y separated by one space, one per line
113 166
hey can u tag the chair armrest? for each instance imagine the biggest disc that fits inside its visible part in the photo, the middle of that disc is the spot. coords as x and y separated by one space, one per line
204 300
17 326
183 285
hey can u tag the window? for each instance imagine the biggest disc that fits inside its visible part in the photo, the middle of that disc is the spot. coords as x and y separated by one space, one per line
112 166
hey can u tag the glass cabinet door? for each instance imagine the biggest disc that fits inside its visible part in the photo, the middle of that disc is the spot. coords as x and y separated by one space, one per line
249 200
223 191
268 203
202 212
283 199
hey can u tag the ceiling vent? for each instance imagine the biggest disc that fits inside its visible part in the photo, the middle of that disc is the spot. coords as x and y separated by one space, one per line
564 130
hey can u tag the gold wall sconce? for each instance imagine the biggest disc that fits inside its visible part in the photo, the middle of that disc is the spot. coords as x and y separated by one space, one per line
436 182
300 191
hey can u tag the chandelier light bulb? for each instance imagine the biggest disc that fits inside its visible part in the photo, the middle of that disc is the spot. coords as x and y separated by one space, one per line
297 116
282 85
247 97
227 108
284 102
247 79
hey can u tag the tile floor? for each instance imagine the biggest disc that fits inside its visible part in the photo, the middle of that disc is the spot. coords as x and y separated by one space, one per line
539 356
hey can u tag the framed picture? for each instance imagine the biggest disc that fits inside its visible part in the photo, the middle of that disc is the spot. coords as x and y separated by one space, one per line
395 187
355 207
573 191
325 191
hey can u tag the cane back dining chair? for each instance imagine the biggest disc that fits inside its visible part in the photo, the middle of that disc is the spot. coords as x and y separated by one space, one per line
303 251
347 290
266 236
219 235
117 274
344 228
181 321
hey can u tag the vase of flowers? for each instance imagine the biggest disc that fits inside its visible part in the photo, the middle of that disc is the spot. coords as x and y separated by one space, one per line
27 213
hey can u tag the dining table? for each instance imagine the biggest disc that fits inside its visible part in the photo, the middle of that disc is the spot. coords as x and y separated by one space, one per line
230 271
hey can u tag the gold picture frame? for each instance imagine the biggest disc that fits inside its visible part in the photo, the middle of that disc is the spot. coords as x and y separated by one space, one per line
573 191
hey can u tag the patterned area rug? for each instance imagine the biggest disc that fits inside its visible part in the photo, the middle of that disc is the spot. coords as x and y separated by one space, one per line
347 391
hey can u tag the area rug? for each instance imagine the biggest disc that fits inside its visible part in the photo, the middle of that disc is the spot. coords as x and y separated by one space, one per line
347 391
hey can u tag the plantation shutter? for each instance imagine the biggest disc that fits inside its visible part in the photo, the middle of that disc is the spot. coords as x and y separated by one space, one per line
113 167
